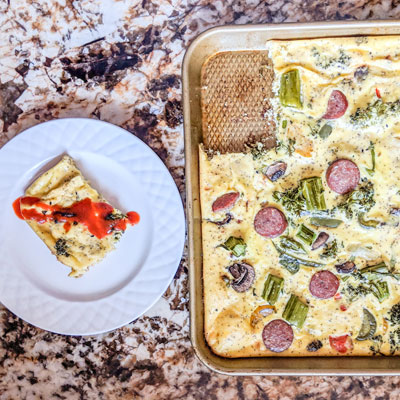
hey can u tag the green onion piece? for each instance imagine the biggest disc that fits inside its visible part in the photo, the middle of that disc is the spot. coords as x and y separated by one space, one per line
235 245
367 223
326 222
295 311
292 263
368 326
375 271
289 91
371 171
272 289
284 123
289 244
325 131
306 235
380 290
313 192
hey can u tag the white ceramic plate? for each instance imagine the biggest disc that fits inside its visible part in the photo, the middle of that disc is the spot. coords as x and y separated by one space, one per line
34 285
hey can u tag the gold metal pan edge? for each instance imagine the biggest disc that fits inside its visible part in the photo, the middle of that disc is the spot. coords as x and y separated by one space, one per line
253 37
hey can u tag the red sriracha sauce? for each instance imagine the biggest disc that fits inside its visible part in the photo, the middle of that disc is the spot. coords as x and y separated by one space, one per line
96 216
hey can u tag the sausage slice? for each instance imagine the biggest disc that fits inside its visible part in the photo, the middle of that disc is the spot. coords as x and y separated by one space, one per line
324 285
337 105
343 176
270 222
277 335
225 202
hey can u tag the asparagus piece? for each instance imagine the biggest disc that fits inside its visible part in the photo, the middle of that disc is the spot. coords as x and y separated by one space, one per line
306 235
295 311
313 192
272 289
289 91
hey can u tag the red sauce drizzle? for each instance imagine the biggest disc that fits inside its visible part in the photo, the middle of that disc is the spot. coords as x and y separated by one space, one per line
96 216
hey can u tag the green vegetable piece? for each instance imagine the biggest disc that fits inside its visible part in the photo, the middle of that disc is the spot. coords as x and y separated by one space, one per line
272 289
290 263
292 200
289 91
235 245
325 131
367 223
368 326
306 235
371 171
359 201
330 250
313 193
375 271
289 244
284 123
325 222
295 311
380 290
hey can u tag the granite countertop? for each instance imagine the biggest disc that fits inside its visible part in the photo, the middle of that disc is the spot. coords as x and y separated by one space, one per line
119 61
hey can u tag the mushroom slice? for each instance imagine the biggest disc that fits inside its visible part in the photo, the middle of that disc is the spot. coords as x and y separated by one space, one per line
276 171
243 276
346 267
320 240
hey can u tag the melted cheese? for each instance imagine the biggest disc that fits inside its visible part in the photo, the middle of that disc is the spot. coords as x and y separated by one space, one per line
324 65
65 185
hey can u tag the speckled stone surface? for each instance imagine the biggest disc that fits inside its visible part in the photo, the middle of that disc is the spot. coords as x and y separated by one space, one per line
120 61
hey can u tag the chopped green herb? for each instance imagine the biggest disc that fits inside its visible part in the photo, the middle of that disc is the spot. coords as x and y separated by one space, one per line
284 124
330 250
61 247
272 289
288 148
292 200
295 311
359 201
235 245
380 290
257 150
374 113
394 314
289 91
394 340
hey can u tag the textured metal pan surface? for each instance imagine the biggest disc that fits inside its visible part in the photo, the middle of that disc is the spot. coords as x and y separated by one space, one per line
236 90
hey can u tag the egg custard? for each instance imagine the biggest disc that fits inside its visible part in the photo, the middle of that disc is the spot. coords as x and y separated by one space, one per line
74 221
301 249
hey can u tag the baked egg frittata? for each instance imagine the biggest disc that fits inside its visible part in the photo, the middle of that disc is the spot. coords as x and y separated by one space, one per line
301 252
74 221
